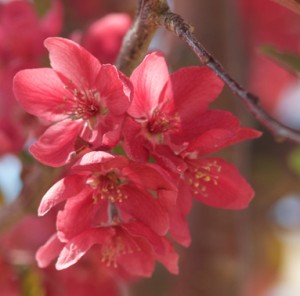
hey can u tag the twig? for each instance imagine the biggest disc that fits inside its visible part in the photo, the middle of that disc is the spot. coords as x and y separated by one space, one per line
154 13
137 40
176 24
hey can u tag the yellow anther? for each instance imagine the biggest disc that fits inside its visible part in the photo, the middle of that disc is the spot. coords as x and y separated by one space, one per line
207 178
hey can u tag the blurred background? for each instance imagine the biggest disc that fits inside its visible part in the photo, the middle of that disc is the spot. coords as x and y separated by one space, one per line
233 253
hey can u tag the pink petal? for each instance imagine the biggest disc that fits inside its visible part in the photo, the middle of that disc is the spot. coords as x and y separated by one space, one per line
99 161
52 22
140 261
78 246
165 157
73 62
69 187
48 251
149 176
149 80
170 257
178 205
115 89
109 32
194 88
212 131
217 139
79 214
57 145
134 142
41 93
145 208
179 229
137 229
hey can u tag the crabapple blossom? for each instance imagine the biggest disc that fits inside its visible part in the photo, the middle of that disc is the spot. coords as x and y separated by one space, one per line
78 95
130 248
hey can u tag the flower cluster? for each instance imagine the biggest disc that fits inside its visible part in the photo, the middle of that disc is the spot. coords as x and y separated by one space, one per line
137 151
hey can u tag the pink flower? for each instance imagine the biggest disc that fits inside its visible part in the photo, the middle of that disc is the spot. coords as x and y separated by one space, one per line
129 248
213 181
85 101
101 187
165 109
104 37
22 32
216 183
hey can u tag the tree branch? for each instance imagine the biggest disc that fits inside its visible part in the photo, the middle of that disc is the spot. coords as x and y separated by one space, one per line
154 13
137 40
176 24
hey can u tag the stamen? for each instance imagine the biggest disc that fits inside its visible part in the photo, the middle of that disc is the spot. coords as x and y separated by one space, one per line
200 177
107 187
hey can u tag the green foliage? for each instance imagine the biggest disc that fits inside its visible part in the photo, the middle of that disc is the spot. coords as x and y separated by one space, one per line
288 60
42 6
294 161
31 282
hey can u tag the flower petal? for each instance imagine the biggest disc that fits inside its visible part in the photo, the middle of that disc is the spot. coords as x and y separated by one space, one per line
170 257
115 89
194 88
140 261
144 207
50 250
78 246
57 145
134 142
69 187
72 61
217 183
99 161
109 32
150 176
137 229
149 80
79 214
41 93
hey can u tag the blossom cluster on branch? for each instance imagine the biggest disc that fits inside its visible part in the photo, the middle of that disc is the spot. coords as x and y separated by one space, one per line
130 206
134 143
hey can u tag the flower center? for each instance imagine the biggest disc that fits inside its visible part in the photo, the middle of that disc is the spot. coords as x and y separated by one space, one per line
116 247
112 250
85 103
162 122
201 177
107 187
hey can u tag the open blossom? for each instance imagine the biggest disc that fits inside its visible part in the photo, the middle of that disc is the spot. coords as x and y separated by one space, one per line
104 37
85 100
127 248
102 186
18 246
165 108
108 203
211 180
169 119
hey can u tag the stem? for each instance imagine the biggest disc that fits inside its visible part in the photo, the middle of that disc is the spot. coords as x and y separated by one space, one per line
137 40
176 24
153 13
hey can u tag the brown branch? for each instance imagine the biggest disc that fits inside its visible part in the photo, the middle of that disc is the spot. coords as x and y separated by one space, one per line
176 24
137 40
153 13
